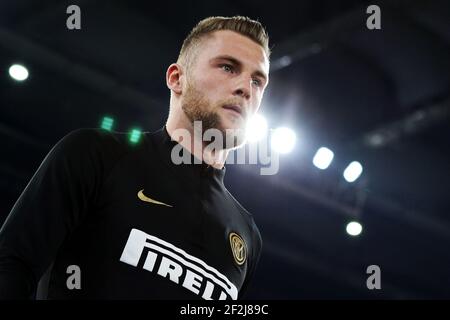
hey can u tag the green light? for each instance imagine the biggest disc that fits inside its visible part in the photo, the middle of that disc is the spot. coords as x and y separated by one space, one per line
107 123
135 135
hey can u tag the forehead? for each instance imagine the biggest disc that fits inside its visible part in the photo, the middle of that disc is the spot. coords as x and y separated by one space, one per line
225 42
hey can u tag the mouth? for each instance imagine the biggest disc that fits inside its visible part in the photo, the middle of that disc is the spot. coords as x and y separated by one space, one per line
235 109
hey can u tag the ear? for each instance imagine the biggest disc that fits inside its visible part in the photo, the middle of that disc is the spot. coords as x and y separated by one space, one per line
174 78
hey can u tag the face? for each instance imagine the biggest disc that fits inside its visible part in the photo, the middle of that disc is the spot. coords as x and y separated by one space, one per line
225 85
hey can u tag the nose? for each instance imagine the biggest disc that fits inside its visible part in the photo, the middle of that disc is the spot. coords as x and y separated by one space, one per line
244 89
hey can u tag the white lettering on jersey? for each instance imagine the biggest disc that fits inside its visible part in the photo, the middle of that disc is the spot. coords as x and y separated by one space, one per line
177 265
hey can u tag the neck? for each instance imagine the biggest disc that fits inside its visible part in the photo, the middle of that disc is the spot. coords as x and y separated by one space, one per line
195 144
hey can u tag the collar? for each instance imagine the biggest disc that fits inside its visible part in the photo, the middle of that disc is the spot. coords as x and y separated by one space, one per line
201 171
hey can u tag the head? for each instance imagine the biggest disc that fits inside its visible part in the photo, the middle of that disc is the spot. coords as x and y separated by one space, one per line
220 75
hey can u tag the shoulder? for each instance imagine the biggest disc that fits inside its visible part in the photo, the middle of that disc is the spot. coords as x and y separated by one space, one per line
85 137
240 207
92 150
95 141
256 235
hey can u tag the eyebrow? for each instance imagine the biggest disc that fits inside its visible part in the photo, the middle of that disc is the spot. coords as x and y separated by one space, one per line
238 63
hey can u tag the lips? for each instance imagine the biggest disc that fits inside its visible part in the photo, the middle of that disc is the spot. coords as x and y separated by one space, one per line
234 108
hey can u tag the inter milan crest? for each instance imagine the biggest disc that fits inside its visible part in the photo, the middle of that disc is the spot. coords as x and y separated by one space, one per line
238 248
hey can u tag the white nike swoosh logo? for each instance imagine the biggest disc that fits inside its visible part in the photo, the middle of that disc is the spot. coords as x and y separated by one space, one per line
143 197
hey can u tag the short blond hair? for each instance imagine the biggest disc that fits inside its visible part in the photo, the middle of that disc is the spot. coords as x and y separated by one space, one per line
243 25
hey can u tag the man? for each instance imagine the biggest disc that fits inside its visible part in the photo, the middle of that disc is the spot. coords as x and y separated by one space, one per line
103 219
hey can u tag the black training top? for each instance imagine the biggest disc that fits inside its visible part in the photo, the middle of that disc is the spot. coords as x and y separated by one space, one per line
103 218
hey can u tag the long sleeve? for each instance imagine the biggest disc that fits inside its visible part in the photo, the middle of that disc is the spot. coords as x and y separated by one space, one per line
53 203
256 254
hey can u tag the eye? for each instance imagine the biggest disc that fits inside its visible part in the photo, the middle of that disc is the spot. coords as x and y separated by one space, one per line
227 67
256 82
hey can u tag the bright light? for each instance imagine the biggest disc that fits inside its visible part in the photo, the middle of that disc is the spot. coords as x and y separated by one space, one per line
353 171
107 123
18 72
256 128
135 135
323 158
354 228
283 140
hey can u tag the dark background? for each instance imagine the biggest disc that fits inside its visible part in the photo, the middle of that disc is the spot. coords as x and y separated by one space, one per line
377 96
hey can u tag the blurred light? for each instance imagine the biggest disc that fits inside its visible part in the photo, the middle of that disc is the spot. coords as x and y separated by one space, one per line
354 228
353 171
135 135
376 140
323 158
107 123
285 61
283 140
18 72
256 128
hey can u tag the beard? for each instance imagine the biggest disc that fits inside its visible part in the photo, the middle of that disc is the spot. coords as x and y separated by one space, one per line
198 107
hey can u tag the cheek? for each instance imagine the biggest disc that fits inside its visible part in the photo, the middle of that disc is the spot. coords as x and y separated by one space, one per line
213 88
257 99
204 87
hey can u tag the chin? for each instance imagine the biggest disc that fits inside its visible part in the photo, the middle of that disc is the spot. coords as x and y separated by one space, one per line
228 122
236 130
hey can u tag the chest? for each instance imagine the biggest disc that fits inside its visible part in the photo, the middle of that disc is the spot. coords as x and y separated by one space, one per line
190 234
